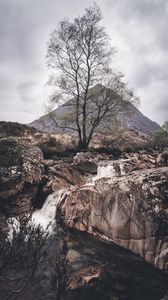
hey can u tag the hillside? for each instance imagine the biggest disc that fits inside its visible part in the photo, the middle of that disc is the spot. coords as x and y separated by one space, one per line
15 129
131 118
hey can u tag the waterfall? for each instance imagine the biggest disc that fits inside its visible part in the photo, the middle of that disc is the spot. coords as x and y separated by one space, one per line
109 169
106 170
122 171
46 215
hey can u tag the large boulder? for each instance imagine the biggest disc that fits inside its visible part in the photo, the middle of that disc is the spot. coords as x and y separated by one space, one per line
61 175
21 170
130 210
85 162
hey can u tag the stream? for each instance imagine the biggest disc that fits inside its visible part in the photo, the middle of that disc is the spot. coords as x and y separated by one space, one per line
117 273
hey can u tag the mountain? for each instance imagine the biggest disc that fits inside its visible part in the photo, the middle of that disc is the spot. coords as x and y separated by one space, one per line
130 118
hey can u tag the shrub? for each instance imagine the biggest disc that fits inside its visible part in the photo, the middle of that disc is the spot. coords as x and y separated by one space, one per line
115 152
53 142
20 253
10 152
160 137
51 147
23 255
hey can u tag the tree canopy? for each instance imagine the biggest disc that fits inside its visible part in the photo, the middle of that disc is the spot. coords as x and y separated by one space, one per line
81 54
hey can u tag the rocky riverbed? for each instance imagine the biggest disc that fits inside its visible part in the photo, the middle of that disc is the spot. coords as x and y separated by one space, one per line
123 202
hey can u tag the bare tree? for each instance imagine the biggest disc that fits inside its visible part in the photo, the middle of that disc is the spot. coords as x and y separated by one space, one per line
81 53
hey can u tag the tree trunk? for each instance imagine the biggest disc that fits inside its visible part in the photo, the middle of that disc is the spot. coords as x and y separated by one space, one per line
82 145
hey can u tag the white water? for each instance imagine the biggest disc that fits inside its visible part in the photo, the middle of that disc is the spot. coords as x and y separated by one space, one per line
46 215
122 171
13 226
107 170
111 168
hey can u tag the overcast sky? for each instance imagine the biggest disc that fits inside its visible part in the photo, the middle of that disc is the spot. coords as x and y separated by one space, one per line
138 29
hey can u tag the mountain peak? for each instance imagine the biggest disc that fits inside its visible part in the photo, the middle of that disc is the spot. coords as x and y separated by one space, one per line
130 118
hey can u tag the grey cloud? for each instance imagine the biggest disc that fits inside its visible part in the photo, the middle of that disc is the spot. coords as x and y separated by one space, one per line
163 107
138 29
130 9
148 73
141 29
25 86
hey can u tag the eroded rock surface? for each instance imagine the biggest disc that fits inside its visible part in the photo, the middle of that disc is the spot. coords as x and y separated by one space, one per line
131 210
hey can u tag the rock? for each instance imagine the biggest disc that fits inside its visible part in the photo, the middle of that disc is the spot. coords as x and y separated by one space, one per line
3 225
131 210
85 162
63 175
102 270
81 156
72 255
49 163
87 166
21 170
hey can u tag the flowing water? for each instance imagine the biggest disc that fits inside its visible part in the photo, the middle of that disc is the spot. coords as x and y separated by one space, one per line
106 170
109 169
46 215
13 226
128 275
